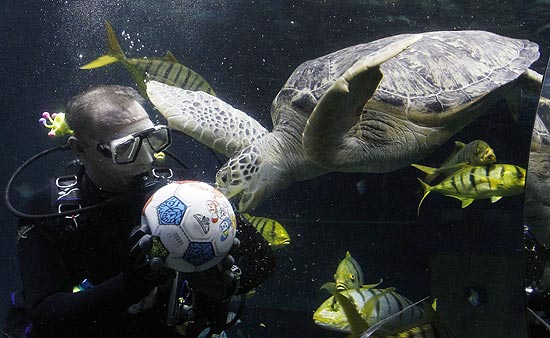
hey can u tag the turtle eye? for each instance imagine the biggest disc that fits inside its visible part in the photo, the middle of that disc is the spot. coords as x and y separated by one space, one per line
223 177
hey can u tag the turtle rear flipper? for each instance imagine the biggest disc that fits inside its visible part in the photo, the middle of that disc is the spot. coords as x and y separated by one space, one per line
336 117
205 118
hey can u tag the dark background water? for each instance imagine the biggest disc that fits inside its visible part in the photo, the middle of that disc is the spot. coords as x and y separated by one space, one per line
246 50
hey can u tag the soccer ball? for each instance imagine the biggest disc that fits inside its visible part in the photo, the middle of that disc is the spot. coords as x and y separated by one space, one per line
193 225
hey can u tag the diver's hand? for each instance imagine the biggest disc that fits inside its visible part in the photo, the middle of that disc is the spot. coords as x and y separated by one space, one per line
219 282
141 271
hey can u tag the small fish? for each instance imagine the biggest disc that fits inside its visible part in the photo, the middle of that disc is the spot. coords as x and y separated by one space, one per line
427 327
361 186
372 304
349 274
476 296
478 182
273 232
475 153
473 297
166 70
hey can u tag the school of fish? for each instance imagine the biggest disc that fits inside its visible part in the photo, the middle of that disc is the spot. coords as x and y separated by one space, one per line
472 174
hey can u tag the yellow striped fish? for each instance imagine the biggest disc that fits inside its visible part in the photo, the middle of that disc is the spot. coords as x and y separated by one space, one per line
166 70
273 232
349 274
475 153
478 182
373 305
426 327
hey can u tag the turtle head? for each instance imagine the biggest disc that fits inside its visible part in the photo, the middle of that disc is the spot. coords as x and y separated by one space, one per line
249 176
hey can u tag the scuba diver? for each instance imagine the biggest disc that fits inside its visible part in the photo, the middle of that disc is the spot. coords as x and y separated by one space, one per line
85 270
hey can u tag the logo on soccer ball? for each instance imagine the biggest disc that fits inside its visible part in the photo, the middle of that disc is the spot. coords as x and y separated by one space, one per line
212 207
203 221
170 212
224 229
199 253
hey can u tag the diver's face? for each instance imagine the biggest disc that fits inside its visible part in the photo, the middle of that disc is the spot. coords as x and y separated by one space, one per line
101 169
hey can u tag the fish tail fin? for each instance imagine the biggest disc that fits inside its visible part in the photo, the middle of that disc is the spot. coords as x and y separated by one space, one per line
114 46
427 188
427 170
114 54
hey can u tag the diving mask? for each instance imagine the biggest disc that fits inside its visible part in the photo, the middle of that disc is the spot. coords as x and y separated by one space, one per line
125 150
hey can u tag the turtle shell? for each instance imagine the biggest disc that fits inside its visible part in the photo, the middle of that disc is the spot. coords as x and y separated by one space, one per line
444 72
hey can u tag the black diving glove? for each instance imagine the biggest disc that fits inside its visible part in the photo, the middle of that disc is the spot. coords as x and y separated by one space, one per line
141 271
219 282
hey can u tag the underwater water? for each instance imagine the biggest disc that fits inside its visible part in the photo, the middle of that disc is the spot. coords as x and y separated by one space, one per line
247 50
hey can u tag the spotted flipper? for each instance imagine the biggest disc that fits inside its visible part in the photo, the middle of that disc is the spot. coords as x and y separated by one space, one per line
205 118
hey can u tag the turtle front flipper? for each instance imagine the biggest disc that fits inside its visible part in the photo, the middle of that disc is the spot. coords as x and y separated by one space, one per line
333 127
205 118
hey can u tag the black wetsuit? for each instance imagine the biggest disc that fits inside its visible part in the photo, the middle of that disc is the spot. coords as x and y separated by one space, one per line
55 256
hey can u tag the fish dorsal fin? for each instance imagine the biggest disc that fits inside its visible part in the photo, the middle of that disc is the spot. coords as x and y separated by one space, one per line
170 57
348 255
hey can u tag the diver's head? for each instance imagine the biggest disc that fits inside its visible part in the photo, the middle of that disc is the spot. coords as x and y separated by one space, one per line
113 136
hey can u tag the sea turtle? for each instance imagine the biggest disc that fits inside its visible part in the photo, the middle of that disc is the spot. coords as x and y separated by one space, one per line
337 112
537 189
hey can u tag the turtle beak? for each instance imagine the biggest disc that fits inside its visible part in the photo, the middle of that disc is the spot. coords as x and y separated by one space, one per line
250 199
230 192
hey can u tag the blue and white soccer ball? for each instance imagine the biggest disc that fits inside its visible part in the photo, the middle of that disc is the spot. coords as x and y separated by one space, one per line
193 225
